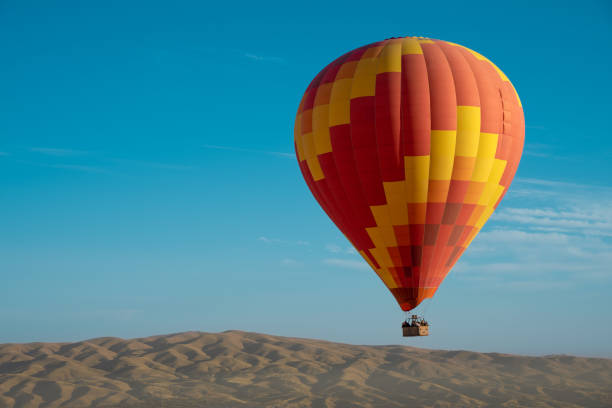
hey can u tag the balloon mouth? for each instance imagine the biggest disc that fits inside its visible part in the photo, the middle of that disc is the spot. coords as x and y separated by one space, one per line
409 298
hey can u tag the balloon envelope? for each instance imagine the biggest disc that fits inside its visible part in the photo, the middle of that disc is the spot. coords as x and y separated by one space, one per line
409 144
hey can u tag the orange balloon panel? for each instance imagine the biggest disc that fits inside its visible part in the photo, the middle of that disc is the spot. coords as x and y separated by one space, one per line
409 144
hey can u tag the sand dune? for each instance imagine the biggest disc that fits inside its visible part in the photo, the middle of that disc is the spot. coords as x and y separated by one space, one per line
249 370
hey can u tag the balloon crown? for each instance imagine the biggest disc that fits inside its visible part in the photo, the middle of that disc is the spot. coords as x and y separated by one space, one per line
408 36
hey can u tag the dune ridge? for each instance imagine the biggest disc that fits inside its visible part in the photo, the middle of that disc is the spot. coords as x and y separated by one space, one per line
251 370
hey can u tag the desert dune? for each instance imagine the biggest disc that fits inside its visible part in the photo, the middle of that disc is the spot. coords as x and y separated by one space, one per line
250 370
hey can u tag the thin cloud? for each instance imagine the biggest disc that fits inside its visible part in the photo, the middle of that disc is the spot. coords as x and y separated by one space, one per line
518 255
567 221
52 151
91 169
552 213
547 155
239 149
537 286
263 58
346 263
60 152
105 163
334 249
157 165
271 241
559 232
542 150
537 150
290 262
511 237
536 154
75 167
553 183
337 249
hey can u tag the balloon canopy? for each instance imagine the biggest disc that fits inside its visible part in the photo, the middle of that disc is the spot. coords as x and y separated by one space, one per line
409 144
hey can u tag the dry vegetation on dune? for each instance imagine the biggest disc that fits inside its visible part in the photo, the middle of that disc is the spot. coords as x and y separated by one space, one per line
249 370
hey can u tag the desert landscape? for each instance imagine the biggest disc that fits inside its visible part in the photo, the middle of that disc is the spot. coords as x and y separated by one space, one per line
240 369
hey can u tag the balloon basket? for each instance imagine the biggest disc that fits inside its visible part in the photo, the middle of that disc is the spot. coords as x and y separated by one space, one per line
415 327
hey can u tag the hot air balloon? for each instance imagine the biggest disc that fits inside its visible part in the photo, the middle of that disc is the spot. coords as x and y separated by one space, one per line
408 145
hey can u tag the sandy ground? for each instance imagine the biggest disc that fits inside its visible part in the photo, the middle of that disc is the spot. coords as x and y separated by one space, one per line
250 370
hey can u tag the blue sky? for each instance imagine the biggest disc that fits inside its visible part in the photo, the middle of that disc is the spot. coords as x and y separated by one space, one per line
148 183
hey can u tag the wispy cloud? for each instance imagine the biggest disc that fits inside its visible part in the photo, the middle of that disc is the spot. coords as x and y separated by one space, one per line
290 262
556 183
337 249
91 169
65 154
591 220
157 165
282 241
537 285
346 263
560 232
53 151
519 255
75 167
263 58
333 248
536 154
239 149
570 208
542 150
513 237
96 161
